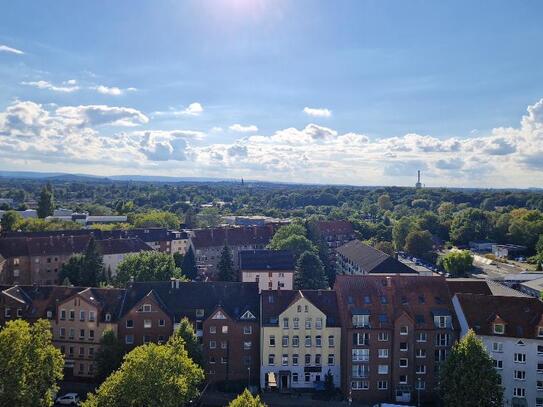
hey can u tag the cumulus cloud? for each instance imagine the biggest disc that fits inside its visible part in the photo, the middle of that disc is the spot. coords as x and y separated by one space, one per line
194 109
93 115
317 112
5 48
243 129
66 87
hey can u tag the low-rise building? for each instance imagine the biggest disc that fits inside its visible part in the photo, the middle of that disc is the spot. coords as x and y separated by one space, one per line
271 269
511 329
300 339
505 251
357 258
396 332
533 288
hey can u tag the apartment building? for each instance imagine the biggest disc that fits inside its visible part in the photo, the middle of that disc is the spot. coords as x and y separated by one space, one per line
511 329
114 251
271 269
300 339
357 258
335 233
396 331
208 244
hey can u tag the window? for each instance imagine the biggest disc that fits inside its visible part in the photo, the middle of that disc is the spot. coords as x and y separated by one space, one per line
108 317
404 330
442 339
421 337
284 360
72 315
272 340
81 315
382 385
129 339
71 334
420 353
421 369
247 330
307 376
91 316
224 360
318 323
199 313
247 345
519 392
403 346
361 339
295 341
540 331
384 300
539 367
308 323
499 329
540 385
318 341
442 321
498 364
360 385
81 352
520 357
403 379
129 323
367 299
62 332
224 329
497 347
361 321
295 377
539 402
62 313
382 353
420 385
382 369
285 341
296 323
360 371
224 345
212 329
307 341
81 334
146 308
147 323
360 355
519 374
331 359
271 359
440 355
403 362
331 341
161 322
285 323
318 359
71 351
49 314
212 344
295 359
382 336
299 308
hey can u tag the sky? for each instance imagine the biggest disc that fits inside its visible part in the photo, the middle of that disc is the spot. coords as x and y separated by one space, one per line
333 92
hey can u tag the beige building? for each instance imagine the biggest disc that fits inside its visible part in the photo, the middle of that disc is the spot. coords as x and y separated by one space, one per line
271 269
300 339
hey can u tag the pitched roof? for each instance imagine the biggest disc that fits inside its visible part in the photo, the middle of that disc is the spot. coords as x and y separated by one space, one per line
182 299
277 301
114 246
388 297
481 286
266 260
42 246
238 236
521 315
334 227
372 260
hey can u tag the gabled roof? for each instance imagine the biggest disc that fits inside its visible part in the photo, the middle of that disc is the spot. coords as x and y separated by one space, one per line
521 315
388 297
182 299
107 300
372 260
275 302
42 246
121 246
481 286
236 236
266 260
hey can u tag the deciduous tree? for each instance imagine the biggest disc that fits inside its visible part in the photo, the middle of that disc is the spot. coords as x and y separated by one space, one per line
46 202
457 263
309 272
146 266
186 332
10 220
110 355
418 243
246 399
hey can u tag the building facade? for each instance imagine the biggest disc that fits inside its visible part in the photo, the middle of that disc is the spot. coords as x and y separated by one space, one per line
301 339
271 269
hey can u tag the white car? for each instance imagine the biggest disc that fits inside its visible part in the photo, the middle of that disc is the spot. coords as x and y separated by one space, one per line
69 399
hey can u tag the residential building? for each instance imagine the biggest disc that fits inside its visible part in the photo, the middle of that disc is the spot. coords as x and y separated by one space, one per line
114 251
357 258
505 251
271 269
208 244
482 286
300 339
511 329
334 233
533 288
396 331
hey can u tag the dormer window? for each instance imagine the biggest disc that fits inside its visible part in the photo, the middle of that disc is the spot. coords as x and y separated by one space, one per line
540 331
361 321
146 308
499 329
199 313
108 317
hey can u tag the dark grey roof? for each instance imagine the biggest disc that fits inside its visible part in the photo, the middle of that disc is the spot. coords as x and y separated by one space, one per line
115 246
372 260
266 260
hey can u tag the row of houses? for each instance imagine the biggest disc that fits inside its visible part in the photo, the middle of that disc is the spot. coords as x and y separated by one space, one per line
380 337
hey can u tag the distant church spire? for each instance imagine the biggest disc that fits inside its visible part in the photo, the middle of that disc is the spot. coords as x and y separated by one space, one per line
418 185
242 182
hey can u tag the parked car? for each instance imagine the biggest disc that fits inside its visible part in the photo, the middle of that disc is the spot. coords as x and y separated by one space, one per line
69 399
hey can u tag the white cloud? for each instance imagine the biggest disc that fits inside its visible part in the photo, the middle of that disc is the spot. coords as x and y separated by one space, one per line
112 91
5 48
194 109
317 112
243 129
66 87
93 115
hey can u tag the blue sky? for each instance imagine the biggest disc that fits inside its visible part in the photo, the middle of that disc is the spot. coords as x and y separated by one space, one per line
358 92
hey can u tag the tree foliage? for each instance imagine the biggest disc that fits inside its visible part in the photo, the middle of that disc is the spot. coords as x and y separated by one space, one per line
225 267
157 219
85 270
469 225
186 332
458 262
146 266
46 203
151 375
109 356
418 243
246 399
468 377
30 366
309 273
10 220
188 267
